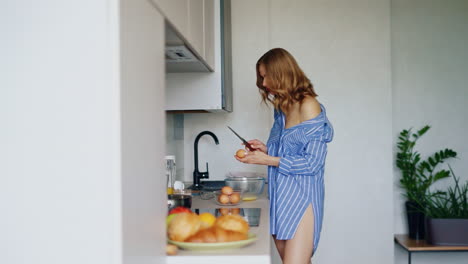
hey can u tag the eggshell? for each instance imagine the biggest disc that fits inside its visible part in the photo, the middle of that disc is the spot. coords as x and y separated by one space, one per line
234 198
227 190
223 198
241 153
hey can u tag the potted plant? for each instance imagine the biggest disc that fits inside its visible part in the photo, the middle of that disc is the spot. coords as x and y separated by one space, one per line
447 215
416 177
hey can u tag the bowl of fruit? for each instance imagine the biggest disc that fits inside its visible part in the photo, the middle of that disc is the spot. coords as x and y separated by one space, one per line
205 231
228 196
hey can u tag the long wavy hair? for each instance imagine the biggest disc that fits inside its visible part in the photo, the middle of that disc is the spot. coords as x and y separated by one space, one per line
289 83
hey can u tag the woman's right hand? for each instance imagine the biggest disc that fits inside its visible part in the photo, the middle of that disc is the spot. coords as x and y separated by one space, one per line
258 145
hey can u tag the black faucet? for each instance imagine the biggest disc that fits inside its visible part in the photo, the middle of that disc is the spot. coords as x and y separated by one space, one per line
197 175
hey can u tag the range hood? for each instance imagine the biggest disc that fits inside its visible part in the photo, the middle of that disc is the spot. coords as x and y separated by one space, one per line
179 55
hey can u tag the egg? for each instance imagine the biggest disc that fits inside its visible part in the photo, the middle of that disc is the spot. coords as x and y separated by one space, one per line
234 198
223 198
224 211
241 153
227 190
235 211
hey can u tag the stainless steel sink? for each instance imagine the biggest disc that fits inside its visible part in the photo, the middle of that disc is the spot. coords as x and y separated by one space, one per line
211 185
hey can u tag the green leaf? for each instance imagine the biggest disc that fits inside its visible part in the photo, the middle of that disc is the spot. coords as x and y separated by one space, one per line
423 130
441 174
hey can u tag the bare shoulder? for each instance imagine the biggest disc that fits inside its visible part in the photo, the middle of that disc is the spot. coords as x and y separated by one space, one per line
310 108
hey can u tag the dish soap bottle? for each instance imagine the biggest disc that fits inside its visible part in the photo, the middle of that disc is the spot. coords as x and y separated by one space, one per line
170 173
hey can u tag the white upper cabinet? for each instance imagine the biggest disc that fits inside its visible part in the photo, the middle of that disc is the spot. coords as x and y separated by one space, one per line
209 31
177 13
189 90
195 26
192 21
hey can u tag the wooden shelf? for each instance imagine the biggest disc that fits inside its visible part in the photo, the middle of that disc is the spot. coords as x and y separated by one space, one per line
421 245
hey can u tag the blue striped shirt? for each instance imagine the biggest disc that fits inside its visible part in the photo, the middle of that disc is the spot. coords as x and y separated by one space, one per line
298 180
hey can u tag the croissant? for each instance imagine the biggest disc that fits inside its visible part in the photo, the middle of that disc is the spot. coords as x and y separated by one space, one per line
233 222
203 236
183 226
223 235
216 234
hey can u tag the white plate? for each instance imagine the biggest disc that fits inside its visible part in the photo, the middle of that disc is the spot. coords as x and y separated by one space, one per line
215 246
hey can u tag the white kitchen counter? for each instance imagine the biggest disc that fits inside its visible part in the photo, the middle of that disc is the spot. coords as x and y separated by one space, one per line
258 252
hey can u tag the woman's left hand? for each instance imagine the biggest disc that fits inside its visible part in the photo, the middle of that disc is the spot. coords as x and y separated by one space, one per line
258 157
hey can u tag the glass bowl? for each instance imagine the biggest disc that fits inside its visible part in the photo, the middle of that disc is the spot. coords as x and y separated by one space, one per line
206 195
251 187
232 200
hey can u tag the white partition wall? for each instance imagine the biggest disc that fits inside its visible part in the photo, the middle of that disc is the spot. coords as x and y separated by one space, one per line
143 134
81 138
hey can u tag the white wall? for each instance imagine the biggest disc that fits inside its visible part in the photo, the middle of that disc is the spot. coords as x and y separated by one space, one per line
430 76
344 47
67 139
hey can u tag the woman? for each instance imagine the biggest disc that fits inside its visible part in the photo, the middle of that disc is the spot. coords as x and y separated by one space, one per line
295 154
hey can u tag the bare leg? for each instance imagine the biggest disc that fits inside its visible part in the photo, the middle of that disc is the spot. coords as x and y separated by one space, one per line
299 249
280 246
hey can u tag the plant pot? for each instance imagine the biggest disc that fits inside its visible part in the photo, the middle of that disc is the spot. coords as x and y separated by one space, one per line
447 232
416 223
